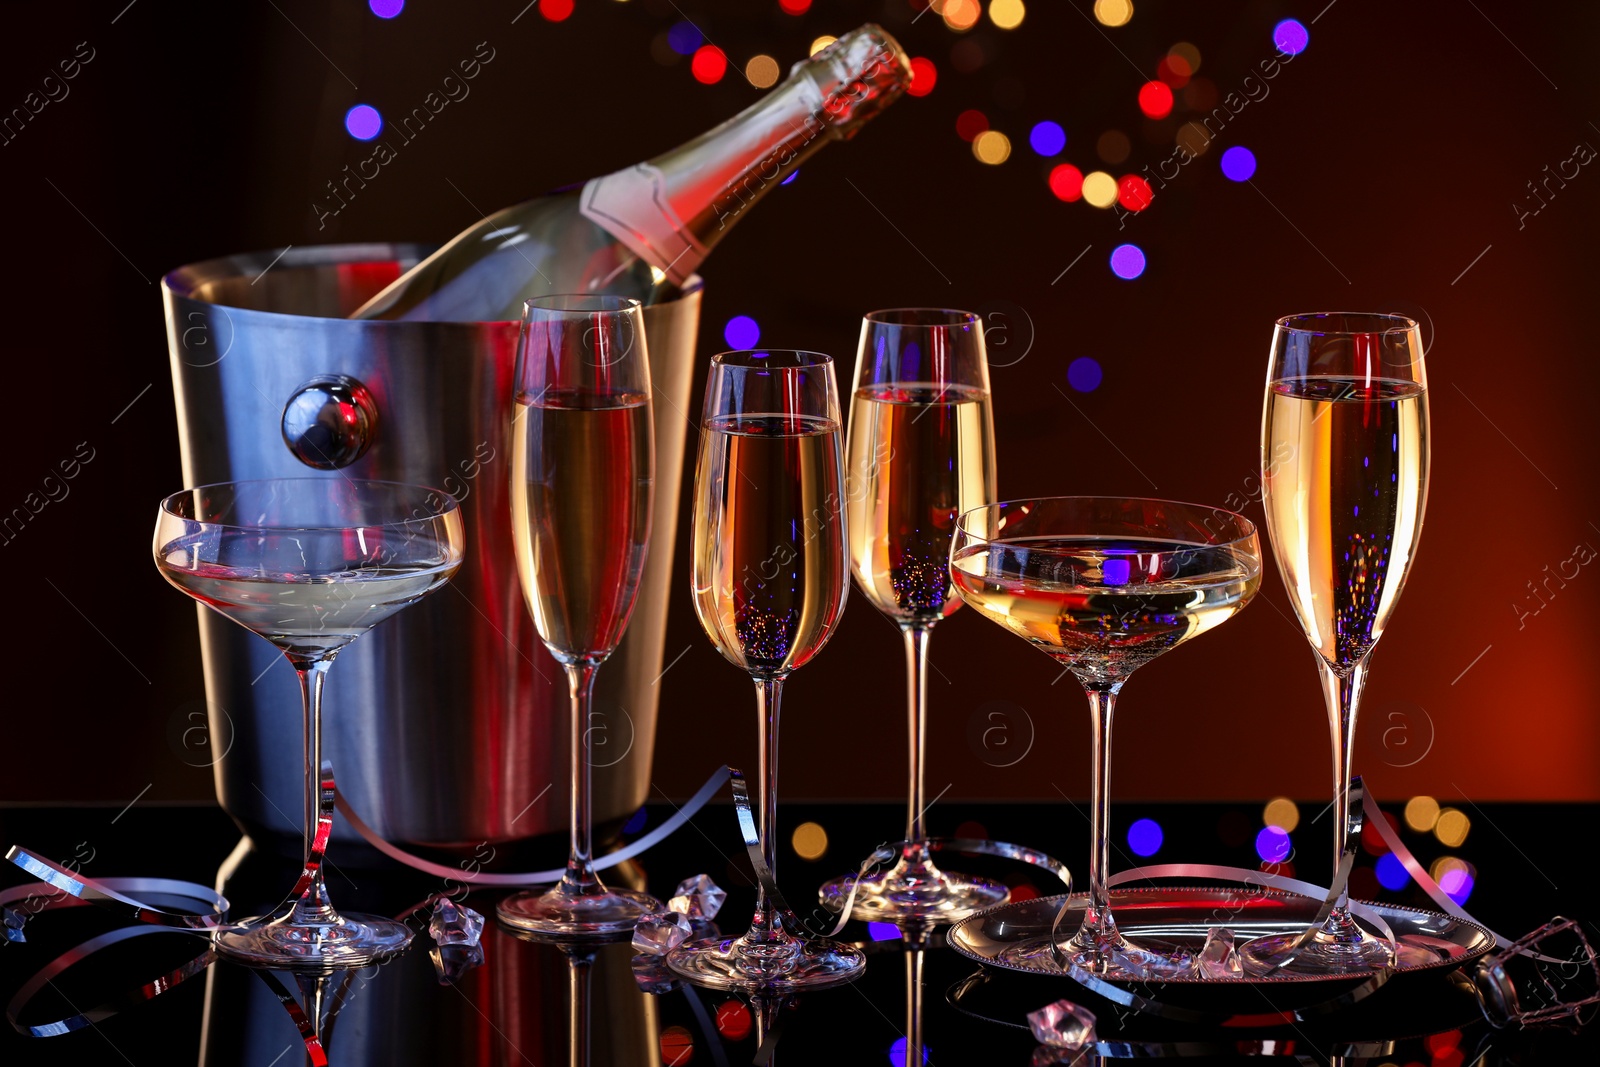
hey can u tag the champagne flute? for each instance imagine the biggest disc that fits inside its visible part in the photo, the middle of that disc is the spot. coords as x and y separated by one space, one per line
921 452
582 481
1104 585
310 564
770 581
1344 466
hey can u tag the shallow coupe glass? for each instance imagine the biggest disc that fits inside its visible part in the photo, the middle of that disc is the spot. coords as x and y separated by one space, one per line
310 564
1104 585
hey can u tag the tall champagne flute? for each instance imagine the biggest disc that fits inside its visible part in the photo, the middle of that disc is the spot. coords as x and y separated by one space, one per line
1104 585
1344 466
310 564
920 452
770 580
582 481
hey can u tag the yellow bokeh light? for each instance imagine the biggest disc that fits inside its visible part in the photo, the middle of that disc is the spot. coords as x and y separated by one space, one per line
1007 14
1113 12
1193 138
1099 188
992 147
1188 53
961 15
1282 813
1445 864
1421 813
820 43
1451 827
761 71
810 841
1113 147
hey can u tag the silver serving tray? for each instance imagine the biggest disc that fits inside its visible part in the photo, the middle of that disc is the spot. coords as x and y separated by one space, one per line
1016 936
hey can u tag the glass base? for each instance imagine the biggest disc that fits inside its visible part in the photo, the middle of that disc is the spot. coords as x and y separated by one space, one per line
905 894
768 966
1115 957
351 940
560 914
1338 949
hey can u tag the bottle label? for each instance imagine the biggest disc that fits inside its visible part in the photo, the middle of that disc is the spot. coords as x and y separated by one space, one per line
631 205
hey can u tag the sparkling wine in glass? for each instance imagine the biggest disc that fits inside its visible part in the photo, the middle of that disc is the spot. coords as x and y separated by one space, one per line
310 564
1104 585
1344 466
583 477
920 452
770 580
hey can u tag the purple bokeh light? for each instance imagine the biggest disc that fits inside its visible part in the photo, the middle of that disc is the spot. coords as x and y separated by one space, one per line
1144 836
1272 844
1291 37
363 122
1127 262
742 332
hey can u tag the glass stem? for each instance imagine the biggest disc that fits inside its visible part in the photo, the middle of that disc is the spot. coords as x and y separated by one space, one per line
914 1050
914 857
1099 929
766 926
580 876
1342 689
312 908
579 968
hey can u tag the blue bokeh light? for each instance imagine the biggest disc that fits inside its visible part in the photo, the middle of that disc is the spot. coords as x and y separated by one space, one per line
1115 572
1047 138
386 9
1272 844
1084 374
883 931
636 822
1127 262
363 122
684 37
1144 836
1238 164
1392 873
742 332
1291 37
897 1053
792 176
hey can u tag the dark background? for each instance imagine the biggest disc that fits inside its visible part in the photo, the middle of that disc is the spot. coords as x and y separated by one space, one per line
1390 155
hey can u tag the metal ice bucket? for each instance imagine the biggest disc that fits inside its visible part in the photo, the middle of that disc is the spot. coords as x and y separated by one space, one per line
445 724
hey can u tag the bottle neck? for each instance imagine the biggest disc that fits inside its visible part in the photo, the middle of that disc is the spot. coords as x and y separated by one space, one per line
672 210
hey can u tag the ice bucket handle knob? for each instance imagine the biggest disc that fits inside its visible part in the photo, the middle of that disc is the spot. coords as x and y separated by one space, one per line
330 421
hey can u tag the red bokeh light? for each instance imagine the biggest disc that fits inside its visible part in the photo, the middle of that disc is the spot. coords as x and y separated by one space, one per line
677 1047
1371 841
733 1018
795 7
708 65
555 10
1066 181
1023 892
1174 71
970 123
1155 99
924 76
1134 193
1437 1043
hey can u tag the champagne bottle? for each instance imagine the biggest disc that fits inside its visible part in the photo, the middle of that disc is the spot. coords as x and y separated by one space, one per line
642 231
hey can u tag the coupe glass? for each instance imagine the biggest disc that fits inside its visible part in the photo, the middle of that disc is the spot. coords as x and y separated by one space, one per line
920 452
310 564
770 580
1344 467
1104 585
582 482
